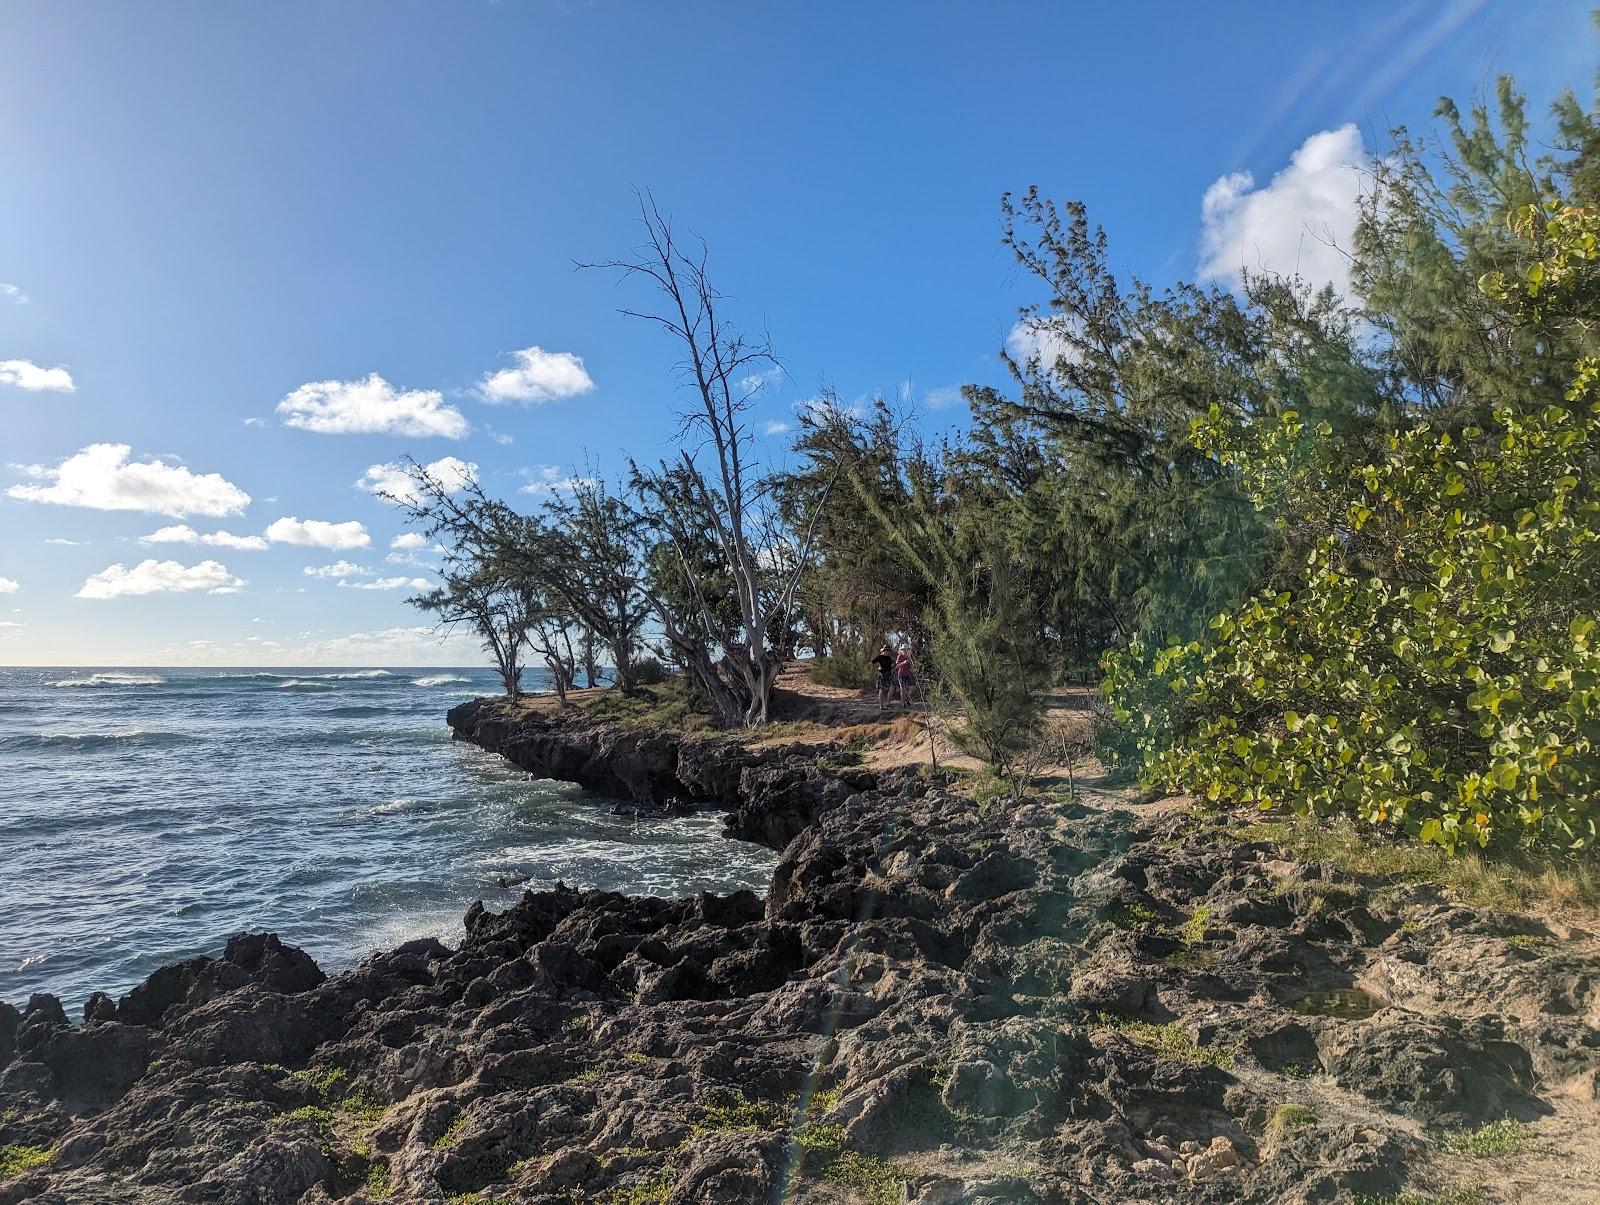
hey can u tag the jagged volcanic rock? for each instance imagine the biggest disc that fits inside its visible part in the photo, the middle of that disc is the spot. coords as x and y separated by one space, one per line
937 1001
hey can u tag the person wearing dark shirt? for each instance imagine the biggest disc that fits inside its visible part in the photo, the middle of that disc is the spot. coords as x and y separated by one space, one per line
883 663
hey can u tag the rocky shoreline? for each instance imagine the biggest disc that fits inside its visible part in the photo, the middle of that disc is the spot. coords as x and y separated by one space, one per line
938 1001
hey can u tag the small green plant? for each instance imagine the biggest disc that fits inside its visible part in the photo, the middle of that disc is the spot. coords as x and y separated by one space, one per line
633 1056
730 1111
1296 1071
1193 931
589 1075
1459 1196
1130 916
451 1135
316 1116
1168 1041
651 1191
1290 1117
1496 1138
820 1137
1529 941
378 1181
322 1081
876 1181
18 1158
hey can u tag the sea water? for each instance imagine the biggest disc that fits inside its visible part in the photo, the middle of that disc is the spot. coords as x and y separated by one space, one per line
148 815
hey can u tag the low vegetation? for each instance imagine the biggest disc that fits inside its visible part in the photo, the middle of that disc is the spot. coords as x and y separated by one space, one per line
1169 1042
18 1158
1497 1138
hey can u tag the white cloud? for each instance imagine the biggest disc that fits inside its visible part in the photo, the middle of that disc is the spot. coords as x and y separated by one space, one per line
1300 224
759 382
408 540
9 585
25 374
338 569
774 428
1041 337
417 645
158 577
944 397
182 533
411 559
371 407
540 376
548 479
100 477
65 543
452 472
15 295
12 623
390 583
316 533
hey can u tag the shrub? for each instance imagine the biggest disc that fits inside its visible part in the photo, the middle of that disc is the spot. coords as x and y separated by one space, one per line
1436 666
648 671
852 673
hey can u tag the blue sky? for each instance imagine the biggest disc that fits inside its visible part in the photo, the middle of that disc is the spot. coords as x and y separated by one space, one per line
218 222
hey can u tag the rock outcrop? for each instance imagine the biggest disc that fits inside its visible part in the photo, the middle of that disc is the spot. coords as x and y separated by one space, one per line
936 1002
770 792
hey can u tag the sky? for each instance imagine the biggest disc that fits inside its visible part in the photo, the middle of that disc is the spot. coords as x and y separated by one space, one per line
253 255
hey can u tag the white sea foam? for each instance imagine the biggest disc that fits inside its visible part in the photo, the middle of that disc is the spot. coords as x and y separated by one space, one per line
303 684
113 680
364 673
440 680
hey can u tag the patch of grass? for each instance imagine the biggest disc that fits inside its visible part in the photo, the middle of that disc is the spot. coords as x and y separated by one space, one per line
316 1116
652 1191
1459 1196
731 1111
321 1081
1530 941
1130 916
1168 1042
1509 880
820 1137
1296 1071
589 1075
670 704
876 1181
378 1181
1290 1117
1193 931
642 1060
1496 1138
451 1135
18 1158
839 761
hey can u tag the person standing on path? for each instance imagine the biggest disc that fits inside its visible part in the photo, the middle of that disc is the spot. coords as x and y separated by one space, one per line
883 664
905 678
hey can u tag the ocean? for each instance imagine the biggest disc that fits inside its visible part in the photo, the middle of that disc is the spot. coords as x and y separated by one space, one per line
148 815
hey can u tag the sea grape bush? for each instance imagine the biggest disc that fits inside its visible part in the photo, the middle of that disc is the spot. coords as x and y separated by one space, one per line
1435 668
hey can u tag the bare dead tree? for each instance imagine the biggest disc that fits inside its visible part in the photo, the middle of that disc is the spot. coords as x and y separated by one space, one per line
721 374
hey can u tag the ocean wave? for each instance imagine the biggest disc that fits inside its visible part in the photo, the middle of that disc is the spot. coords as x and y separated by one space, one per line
361 673
441 680
304 684
113 680
85 742
355 713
